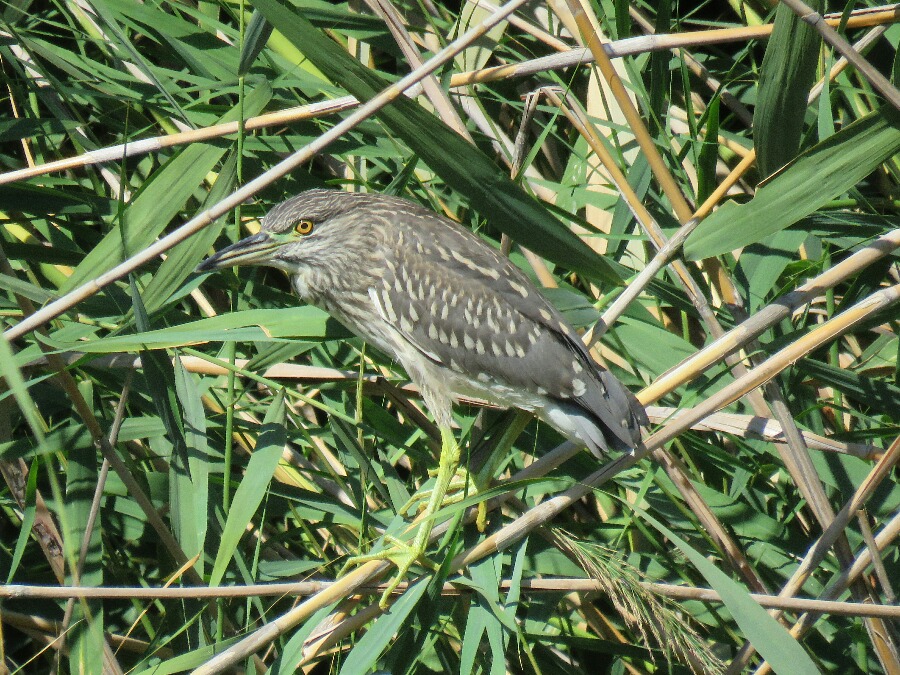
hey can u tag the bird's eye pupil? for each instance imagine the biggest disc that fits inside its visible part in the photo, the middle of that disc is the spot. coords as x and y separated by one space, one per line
304 227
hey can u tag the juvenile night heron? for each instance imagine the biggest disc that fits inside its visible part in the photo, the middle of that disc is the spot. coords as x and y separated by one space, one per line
460 318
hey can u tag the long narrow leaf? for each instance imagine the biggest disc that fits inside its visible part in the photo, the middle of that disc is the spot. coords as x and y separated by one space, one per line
253 487
821 174
787 74
160 198
252 325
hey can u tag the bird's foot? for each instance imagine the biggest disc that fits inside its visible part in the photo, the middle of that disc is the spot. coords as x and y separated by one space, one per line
459 487
400 554
404 555
462 485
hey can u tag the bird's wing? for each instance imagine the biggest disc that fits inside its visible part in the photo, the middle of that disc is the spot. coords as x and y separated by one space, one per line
469 309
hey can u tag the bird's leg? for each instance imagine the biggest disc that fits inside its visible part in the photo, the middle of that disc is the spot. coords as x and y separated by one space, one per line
499 448
447 466
405 555
474 481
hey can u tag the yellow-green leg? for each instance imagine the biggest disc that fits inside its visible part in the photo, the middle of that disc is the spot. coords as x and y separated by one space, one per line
501 448
469 482
405 555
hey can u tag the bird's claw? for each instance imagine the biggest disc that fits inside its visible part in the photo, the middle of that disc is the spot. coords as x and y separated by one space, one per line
400 554
481 516
460 487
404 555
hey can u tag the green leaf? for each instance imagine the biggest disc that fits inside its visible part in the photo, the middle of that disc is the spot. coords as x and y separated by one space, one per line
708 157
160 198
787 74
824 172
23 288
763 263
192 659
13 381
365 653
196 481
877 395
183 258
68 437
463 166
768 637
651 345
476 55
253 325
86 637
486 617
255 37
86 640
253 487
201 50
160 376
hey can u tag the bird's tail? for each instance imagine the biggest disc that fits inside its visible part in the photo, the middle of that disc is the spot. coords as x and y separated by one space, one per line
610 417
622 407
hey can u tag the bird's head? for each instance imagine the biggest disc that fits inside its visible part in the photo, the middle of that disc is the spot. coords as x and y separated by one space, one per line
309 230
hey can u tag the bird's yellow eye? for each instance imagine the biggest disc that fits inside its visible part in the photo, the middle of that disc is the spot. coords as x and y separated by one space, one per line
304 227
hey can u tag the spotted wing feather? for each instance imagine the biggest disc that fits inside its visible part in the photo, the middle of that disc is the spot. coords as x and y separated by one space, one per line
470 309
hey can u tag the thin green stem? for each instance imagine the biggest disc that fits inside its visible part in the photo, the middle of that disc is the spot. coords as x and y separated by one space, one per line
231 348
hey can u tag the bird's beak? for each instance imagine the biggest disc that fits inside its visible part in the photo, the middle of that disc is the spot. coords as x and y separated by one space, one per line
254 250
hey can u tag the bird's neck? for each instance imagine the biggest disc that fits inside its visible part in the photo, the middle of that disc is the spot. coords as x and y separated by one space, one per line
308 285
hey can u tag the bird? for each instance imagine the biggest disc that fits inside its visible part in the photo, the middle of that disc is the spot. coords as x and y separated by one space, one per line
460 318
